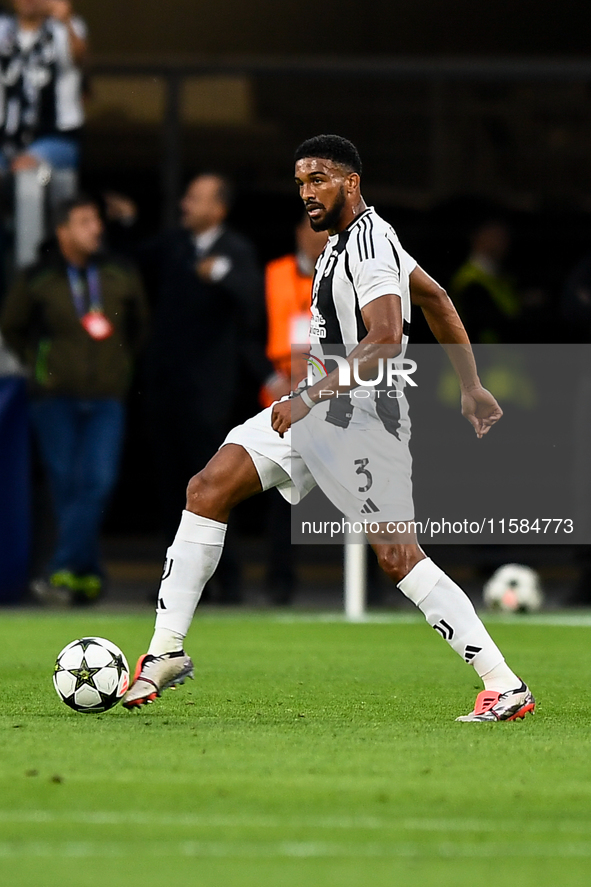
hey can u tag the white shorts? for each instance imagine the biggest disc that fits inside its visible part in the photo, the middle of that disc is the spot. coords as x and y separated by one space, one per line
363 469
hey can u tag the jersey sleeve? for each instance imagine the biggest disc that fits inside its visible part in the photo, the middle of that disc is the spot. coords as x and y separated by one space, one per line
407 260
374 264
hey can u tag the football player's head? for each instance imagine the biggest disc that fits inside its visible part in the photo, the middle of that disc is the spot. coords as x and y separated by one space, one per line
328 174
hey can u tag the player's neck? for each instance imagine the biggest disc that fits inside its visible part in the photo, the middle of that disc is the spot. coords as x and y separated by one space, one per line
349 214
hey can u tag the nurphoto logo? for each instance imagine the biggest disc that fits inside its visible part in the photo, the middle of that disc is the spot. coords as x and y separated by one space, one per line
388 370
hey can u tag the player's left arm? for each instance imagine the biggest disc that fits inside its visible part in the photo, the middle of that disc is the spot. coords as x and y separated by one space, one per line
479 407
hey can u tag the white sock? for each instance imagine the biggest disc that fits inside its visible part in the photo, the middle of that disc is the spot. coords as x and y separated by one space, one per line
190 562
165 641
449 611
500 678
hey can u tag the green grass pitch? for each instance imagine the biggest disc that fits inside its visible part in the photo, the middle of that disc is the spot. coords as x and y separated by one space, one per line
306 752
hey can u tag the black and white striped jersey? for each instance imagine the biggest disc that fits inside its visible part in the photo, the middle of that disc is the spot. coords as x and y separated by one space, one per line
362 263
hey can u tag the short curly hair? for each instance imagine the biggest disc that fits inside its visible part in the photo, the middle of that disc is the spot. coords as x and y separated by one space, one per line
331 147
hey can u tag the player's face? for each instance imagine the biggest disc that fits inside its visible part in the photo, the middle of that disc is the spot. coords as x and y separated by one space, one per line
323 188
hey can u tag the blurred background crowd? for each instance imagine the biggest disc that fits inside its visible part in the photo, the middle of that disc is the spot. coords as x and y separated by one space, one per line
151 241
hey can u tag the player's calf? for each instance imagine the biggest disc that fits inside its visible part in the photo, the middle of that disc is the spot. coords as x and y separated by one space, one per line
397 560
449 611
190 563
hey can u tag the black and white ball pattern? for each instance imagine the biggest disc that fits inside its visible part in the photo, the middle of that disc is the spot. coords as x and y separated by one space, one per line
514 588
91 675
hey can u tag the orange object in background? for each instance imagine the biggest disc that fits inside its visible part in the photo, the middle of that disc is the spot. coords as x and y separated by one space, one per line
288 288
288 294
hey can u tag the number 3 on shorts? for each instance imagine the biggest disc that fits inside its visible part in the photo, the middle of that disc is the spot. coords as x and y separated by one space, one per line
361 469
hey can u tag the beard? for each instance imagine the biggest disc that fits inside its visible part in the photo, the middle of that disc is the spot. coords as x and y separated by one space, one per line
333 215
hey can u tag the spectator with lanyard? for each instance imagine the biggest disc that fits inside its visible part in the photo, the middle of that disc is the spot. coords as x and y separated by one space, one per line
76 319
42 46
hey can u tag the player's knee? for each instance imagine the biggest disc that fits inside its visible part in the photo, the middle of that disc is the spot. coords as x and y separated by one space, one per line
397 561
202 493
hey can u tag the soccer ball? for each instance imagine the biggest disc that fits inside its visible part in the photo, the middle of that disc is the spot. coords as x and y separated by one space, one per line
514 589
91 675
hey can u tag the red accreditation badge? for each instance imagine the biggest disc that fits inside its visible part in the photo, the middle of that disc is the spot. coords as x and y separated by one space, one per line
97 325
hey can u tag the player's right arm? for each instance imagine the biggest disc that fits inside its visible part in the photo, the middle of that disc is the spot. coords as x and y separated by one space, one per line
478 405
383 321
375 276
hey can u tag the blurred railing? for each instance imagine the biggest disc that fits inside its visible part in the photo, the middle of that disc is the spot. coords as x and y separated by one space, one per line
517 130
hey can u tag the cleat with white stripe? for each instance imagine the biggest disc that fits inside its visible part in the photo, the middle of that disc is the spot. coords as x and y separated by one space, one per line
491 705
153 674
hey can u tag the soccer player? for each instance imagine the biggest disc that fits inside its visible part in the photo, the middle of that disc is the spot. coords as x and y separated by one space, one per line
363 286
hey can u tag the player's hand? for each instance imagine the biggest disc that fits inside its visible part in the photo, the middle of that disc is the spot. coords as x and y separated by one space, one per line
59 9
481 410
287 412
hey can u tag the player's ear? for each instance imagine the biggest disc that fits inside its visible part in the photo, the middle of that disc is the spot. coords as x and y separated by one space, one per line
353 181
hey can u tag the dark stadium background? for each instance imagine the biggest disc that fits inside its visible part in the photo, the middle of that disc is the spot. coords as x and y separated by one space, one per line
459 110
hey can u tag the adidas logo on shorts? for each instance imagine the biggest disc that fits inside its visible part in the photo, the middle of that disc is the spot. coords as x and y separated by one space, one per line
369 507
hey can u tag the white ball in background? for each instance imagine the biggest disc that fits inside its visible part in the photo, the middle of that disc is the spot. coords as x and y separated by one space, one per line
514 588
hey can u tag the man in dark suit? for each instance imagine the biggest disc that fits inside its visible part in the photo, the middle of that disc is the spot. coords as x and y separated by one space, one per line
208 328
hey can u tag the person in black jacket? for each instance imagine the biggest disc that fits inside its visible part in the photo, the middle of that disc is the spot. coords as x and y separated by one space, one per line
77 319
209 326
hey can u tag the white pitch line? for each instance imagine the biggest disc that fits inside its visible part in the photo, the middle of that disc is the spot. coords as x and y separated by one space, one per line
368 823
557 620
292 849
